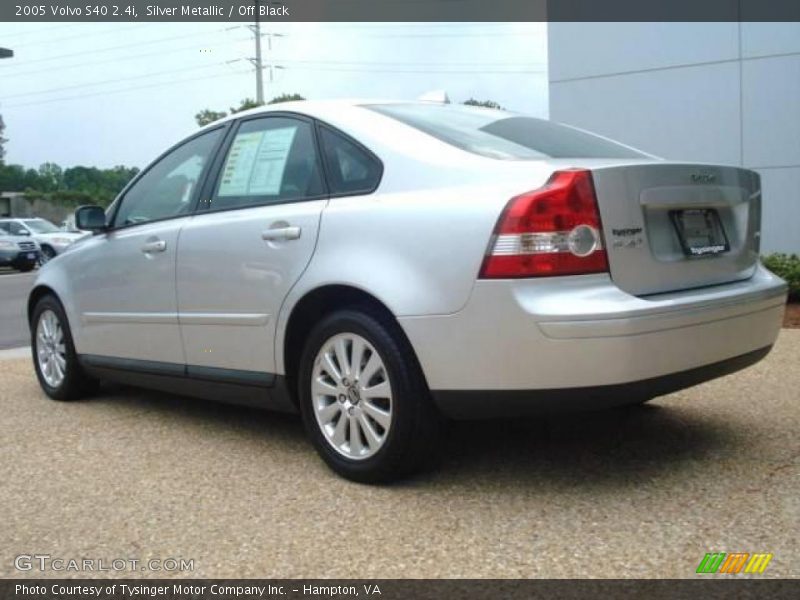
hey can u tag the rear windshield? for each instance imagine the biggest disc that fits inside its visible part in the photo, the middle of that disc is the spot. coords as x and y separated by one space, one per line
501 134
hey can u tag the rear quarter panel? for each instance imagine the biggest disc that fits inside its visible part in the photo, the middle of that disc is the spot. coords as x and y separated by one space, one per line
418 251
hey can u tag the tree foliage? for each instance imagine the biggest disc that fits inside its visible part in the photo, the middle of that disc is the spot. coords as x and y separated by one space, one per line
285 98
72 186
245 104
483 103
206 116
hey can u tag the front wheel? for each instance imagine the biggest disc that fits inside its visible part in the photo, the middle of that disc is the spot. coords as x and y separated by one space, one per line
54 358
364 400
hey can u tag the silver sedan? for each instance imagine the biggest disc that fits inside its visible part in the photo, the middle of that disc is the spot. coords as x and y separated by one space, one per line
381 266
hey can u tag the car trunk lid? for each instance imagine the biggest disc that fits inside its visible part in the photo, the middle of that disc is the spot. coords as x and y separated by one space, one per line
672 226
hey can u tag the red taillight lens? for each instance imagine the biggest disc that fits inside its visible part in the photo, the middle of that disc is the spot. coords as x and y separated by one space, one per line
554 230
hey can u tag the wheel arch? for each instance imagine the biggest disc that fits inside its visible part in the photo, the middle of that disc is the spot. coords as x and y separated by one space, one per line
36 294
313 306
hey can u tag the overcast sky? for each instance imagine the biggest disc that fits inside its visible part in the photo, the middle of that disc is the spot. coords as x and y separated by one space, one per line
105 94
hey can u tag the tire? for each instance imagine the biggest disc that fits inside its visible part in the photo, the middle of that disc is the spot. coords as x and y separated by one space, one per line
376 454
73 384
47 254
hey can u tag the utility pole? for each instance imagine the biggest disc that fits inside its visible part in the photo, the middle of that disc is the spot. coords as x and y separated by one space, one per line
258 64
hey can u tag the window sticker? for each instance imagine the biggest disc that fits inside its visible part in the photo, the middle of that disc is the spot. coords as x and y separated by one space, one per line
256 163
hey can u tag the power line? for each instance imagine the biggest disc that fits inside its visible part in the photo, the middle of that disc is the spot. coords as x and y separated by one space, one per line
450 35
355 64
295 33
122 58
127 89
117 80
75 37
19 33
407 63
415 71
112 48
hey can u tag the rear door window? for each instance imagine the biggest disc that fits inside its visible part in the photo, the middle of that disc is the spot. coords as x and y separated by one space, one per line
269 161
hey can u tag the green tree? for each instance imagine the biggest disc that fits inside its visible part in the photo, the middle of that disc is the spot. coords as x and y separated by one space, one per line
483 103
206 116
245 104
286 98
51 177
12 178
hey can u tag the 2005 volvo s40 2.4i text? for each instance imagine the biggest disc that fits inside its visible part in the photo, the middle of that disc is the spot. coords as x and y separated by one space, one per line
382 266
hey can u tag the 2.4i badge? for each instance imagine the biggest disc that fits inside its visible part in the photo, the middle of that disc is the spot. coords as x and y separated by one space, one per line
629 237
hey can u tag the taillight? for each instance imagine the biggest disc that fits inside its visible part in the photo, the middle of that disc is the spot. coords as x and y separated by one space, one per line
554 230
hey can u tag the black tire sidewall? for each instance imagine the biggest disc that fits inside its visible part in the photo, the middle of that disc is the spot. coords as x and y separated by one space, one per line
393 460
74 383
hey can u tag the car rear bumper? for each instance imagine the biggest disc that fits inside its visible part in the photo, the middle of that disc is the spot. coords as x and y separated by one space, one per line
579 333
475 404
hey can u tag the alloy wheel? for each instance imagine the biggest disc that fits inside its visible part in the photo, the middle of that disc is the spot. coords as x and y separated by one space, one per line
51 352
352 396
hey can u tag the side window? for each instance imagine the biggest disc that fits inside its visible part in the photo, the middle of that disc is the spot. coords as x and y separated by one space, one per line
350 168
270 160
14 228
168 187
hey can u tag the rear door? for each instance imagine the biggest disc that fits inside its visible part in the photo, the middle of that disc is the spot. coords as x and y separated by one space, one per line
249 243
671 226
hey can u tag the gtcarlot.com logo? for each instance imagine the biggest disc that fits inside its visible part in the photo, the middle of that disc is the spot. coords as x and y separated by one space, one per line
45 562
734 562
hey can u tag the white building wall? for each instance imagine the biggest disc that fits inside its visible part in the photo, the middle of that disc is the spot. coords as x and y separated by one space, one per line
714 92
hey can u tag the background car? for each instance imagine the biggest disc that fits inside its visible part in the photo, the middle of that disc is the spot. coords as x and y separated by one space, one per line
18 252
377 266
68 225
51 239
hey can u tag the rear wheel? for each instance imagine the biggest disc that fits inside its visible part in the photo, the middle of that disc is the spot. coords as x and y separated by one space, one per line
54 358
47 254
364 400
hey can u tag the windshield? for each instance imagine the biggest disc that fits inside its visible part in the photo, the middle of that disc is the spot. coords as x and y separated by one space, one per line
40 226
503 135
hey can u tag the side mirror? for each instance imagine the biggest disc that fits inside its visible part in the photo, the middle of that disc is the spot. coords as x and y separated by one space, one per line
24 232
91 218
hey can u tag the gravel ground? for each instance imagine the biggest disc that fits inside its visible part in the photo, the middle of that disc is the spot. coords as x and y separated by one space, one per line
628 493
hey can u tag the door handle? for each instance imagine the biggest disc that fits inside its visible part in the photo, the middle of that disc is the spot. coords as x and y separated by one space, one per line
155 246
281 233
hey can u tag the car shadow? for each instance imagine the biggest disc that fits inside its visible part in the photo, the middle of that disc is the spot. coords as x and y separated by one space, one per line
591 449
610 447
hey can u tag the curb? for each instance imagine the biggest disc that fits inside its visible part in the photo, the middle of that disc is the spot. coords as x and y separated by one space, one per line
15 353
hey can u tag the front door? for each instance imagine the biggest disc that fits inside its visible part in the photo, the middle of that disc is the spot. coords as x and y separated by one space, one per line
240 255
125 282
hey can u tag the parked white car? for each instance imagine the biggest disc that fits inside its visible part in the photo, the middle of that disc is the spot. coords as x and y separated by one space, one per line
52 240
377 266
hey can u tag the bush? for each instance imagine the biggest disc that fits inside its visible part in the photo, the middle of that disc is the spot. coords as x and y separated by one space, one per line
786 266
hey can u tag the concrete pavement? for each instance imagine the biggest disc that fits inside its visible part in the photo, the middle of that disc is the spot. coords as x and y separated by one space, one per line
627 493
14 288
